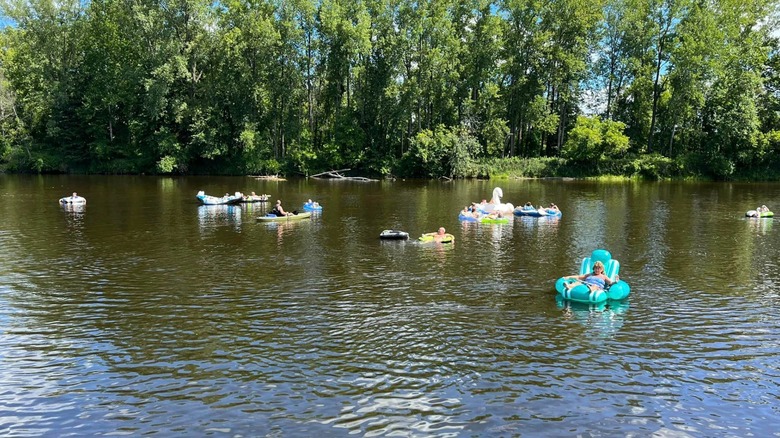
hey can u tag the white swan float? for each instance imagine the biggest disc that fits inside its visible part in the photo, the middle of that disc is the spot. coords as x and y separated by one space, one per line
496 205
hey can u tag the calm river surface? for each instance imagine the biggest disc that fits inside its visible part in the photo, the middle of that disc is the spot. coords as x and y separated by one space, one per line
147 314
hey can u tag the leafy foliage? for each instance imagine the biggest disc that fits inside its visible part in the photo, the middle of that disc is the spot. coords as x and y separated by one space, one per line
593 139
436 89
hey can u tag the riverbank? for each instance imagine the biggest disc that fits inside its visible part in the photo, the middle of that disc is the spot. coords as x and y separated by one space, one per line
645 167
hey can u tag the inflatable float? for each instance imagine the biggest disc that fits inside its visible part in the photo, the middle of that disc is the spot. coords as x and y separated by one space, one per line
431 238
250 199
582 294
495 203
494 220
525 210
537 212
217 200
73 200
757 214
482 218
312 206
393 235
469 217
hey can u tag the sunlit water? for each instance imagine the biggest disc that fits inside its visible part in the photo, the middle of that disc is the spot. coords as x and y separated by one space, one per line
145 313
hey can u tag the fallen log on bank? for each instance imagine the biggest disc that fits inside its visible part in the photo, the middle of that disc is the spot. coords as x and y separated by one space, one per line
268 177
336 175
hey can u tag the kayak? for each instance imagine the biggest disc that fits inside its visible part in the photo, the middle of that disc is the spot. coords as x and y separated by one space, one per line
431 238
394 235
270 217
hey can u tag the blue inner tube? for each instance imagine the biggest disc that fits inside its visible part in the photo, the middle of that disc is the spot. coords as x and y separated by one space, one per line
537 213
525 211
312 207
467 217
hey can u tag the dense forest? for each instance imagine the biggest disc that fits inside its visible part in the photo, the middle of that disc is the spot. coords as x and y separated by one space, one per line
437 88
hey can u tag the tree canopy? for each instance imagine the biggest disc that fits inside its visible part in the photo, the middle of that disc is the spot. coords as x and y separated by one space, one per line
386 86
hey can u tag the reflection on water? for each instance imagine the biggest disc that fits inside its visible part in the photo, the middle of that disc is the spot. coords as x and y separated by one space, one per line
75 209
150 315
489 233
256 208
544 222
286 228
74 214
605 318
211 216
760 226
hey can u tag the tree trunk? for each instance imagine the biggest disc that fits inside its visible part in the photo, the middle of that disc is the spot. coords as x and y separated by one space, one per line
656 95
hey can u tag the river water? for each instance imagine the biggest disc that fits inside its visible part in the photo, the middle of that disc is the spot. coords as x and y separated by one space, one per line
146 314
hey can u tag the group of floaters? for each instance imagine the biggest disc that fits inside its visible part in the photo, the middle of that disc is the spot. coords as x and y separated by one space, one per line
529 210
596 282
440 236
228 199
238 198
497 212
494 211
474 213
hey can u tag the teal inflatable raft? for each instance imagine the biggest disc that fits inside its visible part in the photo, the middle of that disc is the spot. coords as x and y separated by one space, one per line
582 294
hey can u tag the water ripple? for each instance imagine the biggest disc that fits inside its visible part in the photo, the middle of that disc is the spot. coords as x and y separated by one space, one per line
165 318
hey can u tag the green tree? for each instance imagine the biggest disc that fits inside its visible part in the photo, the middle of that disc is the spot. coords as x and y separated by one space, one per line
730 120
523 74
692 71
592 140
344 27
42 67
572 27
443 152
